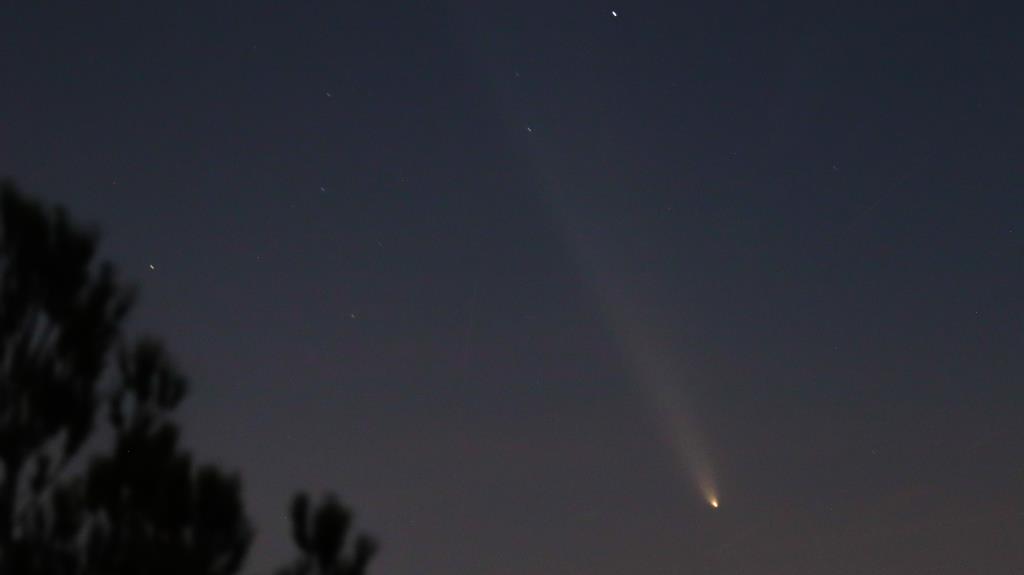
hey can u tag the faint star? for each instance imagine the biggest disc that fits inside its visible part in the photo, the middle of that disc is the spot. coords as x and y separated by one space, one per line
323 189
328 94
529 129
152 267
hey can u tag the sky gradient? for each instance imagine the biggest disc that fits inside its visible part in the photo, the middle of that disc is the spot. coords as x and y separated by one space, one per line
504 275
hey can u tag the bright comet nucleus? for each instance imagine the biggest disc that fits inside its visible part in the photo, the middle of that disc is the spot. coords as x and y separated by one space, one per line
714 502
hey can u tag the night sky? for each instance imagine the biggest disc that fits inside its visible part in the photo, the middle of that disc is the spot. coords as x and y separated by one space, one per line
527 284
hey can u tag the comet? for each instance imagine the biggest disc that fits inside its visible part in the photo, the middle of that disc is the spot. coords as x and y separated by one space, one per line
652 360
656 367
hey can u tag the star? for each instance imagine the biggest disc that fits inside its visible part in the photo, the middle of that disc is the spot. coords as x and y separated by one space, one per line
615 14
152 267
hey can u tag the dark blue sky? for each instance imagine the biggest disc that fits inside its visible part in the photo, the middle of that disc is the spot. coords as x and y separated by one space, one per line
427 256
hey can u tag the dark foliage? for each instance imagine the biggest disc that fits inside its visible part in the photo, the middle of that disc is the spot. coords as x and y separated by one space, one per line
68 373
321 536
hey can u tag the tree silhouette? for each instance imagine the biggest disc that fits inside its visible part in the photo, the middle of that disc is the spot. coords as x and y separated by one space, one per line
321 539
68 374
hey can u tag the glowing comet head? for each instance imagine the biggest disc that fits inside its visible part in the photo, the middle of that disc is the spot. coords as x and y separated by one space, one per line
714 502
